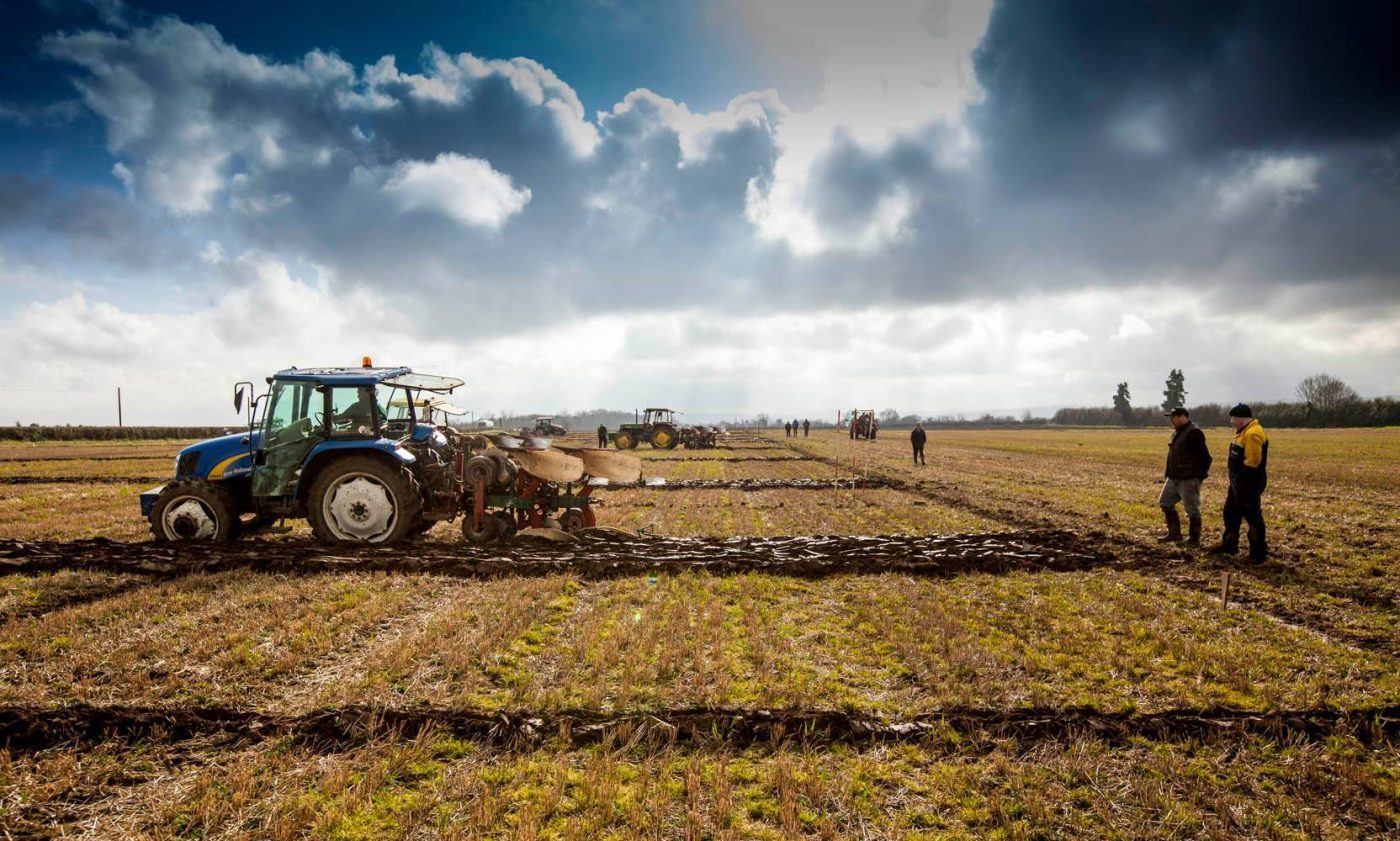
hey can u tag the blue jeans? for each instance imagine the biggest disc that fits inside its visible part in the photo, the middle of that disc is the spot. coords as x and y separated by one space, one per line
1185 491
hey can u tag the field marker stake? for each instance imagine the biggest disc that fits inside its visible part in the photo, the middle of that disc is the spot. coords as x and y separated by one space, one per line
1225 589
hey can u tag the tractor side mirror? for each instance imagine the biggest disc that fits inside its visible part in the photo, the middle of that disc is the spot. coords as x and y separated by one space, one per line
238 399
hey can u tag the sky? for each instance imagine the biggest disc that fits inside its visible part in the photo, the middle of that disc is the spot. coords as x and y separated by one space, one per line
729 207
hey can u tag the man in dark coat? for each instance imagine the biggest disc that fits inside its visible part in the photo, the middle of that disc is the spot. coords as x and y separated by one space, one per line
1188 465
917 438
602 435
806 428
787 430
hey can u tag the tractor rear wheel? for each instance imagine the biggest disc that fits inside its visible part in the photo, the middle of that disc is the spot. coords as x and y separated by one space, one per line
663 438
193 509
625 441
363 499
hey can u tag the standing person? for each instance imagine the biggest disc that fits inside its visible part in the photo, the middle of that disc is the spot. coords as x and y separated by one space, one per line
1188 465
806 428
602 436
787 430
917 438
1249 463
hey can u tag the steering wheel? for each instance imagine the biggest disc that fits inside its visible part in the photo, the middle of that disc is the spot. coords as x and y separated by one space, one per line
292 432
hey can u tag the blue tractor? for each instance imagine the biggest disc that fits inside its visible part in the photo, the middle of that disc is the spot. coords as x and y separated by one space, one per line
346 448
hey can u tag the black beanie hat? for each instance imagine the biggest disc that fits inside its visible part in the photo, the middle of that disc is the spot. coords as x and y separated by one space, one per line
1241 411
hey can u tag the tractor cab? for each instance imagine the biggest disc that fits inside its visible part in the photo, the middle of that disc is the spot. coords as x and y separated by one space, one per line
651 417
315 410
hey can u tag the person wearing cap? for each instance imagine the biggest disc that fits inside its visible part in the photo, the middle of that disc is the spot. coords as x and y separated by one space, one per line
1249 462
1188 465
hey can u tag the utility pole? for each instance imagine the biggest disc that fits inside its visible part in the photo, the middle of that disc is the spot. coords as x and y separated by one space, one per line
119 407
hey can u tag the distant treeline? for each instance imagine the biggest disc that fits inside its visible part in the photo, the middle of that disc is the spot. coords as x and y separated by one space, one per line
1380 411
109 433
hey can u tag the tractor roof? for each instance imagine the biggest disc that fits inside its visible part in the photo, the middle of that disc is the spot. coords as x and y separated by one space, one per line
654 409
403 377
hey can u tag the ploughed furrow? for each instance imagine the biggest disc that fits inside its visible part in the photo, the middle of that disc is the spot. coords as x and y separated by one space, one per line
742 458
594 557
27 729
81 480
767 484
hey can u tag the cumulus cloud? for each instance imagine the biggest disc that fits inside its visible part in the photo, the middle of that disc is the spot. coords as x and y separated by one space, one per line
466 189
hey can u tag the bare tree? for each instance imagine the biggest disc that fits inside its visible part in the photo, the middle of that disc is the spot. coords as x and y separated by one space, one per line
889 416
1325 391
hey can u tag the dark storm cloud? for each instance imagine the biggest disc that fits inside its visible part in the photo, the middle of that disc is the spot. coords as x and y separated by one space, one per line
1095 87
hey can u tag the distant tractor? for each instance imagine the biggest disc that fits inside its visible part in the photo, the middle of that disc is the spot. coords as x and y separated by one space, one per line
545 427
864 424
354 451
657 427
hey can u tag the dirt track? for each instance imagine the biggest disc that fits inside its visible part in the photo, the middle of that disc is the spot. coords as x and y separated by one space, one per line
593 558
30 729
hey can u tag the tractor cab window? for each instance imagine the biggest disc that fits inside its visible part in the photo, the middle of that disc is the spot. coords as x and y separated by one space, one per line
290 411
399 409
354 411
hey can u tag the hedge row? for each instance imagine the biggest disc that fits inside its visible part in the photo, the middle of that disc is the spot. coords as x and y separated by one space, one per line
109 433
1381 411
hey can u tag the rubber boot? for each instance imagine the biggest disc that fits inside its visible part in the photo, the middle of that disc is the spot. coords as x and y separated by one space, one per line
1258 548
1194 538
1173 526
1229 544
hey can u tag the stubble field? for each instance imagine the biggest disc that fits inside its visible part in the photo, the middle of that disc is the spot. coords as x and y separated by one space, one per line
1049 672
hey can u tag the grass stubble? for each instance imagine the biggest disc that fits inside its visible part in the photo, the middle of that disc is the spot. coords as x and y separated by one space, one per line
1124 642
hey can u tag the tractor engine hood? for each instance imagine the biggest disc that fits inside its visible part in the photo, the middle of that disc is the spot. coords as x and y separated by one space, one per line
225 457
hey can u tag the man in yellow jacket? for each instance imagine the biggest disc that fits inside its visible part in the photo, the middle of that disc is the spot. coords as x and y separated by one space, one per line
1249 463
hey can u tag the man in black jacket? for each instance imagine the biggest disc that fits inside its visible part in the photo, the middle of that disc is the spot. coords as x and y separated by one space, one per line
917 438
1188 464
602 436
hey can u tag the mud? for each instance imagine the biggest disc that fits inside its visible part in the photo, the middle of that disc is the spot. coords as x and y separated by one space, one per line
592 558
768 484
29 729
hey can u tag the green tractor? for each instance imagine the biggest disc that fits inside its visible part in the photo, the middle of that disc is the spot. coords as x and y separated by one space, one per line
657 427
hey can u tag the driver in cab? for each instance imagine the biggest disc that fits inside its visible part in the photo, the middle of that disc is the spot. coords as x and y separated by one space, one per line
361 412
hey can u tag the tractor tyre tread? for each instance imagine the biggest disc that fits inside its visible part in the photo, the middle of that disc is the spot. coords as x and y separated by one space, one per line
216 497
396 479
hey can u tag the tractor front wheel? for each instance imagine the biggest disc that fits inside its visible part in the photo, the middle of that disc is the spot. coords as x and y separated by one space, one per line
625 441
363 499
194 510
663 438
